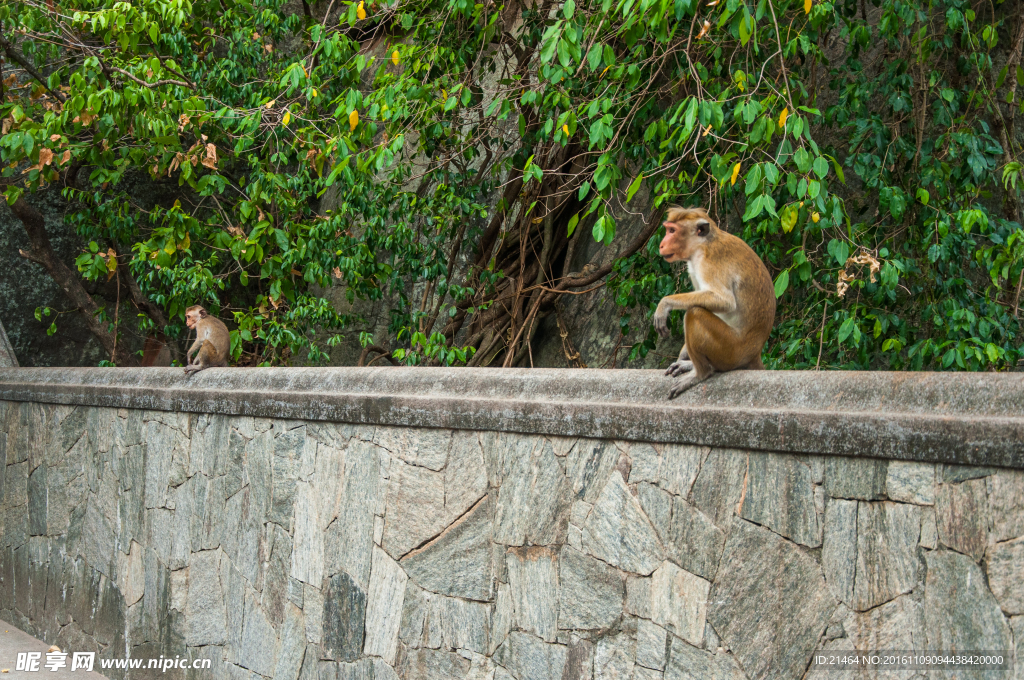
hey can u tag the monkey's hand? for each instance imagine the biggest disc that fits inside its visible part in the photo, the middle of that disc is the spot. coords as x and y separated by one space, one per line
679 367
684 384
661 319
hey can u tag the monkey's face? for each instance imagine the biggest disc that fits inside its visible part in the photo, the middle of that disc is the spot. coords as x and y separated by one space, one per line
191 319
682 238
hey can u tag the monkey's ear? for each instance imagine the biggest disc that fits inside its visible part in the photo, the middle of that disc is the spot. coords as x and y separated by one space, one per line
703 227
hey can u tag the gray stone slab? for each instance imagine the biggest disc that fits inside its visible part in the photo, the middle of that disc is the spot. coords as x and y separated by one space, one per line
534 499
349 525
859 478
430 664
307 558
961 516
864 414
887 538
529 658
839 548
615 657
591 592
343 619
719 485
954 474
690 663
780 495
292 646
1006 503
588 465
1005 567
533 578
679 602
384 606
205 613
793 611
619 533
651 645
1017 626
960 612
459 562
911 482
260 643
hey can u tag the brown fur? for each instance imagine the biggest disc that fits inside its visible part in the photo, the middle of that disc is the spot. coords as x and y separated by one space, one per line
213 341
731 311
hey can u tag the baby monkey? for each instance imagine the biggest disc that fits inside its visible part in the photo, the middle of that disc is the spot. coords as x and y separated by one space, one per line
212 340
730 312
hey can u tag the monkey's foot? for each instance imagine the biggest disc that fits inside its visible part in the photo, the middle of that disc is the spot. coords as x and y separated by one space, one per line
190 369
679 367
683 384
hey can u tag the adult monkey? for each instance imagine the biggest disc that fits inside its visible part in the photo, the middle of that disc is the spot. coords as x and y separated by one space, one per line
731 311
212 340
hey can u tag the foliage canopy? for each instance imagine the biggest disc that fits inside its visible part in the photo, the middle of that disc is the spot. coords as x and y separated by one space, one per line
449 156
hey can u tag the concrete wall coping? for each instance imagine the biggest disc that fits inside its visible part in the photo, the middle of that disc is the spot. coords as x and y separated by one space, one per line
958 418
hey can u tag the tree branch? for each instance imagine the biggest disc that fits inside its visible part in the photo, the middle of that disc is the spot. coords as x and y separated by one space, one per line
41 252
14 56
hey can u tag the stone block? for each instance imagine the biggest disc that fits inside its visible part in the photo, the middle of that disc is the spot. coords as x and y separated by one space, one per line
526 656
205 613
887 538
1006 503
911 482
384 606
839 548
284 472
679 602
430 664
459 561
615 657
533 578
651 645
961 516
344 619
307 558
591 593
619 533
719 485
959 611
780 495
858 478
534 500
763 573
690 663
259 640
349 524
588 466
1005 566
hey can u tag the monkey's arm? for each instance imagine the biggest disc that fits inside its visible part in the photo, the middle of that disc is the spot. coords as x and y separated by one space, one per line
711 300
193 349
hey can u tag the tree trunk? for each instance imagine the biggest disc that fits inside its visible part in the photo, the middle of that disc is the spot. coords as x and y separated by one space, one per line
41 252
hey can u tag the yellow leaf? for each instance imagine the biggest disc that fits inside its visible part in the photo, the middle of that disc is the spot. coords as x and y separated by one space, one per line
304 71
783 116
807 6
565 129
315 93
360 12
353 120
735 173
815 217
287 117
394 57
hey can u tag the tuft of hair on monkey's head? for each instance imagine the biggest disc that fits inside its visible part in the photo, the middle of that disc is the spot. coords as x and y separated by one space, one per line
695 218
198 309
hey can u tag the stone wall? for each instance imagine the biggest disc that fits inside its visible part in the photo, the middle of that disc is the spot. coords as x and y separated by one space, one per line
317 549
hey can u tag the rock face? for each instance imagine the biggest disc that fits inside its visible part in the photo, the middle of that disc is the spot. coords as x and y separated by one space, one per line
311 550
761 572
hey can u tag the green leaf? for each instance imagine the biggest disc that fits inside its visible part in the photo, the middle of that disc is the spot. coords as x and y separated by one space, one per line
584 190
599 229
633 187
781 283
846 329
573 221
820 167
922 195
568 9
